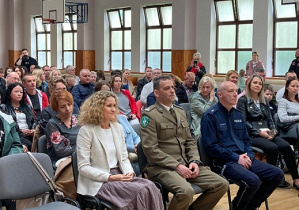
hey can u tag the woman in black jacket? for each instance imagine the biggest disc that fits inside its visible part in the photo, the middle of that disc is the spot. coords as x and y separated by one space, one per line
261 128
22 114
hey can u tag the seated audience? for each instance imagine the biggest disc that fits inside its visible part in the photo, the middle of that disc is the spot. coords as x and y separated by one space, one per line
71 70
56 85
280 92
200 102
262 73
187 88
100 75
62 129
2 72
102 85
241 80
20 111
226 142
11 78
233 76
146 79
127 84
19 71
7 71
126 102
41 83
47 72
107 173
261 128
254 64
93 77
132 140
70 81
197 68
84 89
268 89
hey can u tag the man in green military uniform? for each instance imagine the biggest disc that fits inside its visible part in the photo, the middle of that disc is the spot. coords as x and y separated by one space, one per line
172 153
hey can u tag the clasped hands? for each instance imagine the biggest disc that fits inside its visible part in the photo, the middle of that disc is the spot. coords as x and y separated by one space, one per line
244 161
188 173
121 177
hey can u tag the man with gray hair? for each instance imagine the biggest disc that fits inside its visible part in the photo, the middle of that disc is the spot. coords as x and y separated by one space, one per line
84 89
71 70
261 72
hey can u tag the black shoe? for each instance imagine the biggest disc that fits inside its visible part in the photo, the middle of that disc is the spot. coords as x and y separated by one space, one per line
284 184
296 186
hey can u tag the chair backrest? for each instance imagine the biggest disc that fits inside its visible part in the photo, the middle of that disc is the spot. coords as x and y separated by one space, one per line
42 144
20 179
187 109
142 160
75 167
136 128
202 152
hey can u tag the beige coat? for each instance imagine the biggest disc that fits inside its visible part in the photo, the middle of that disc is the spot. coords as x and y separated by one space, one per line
93 164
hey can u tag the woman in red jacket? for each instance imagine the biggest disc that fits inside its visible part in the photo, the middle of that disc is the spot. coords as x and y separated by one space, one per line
126 103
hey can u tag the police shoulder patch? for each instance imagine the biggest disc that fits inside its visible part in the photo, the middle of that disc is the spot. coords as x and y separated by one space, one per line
144 121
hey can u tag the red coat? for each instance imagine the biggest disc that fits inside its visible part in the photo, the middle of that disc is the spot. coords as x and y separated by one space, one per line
194 70
131 101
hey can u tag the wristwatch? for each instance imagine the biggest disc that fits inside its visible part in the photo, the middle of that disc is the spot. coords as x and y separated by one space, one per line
197 162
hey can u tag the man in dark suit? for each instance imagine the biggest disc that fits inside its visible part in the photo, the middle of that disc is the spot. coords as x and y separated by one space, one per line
172 153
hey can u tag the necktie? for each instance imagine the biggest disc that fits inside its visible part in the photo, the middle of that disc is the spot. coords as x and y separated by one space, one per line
172 113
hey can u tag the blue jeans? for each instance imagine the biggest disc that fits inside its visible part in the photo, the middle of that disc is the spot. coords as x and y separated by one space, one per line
256 183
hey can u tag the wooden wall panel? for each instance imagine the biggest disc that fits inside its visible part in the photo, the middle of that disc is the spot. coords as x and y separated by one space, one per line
13 55
180 60
85 59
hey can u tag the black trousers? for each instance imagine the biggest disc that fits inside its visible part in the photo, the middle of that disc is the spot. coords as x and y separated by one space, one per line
271 148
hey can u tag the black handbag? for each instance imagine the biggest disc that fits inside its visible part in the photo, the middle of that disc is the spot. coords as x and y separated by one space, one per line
261 124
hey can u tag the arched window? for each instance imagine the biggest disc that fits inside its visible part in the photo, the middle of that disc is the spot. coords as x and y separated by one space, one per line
285 35
234 34
158 36
120 38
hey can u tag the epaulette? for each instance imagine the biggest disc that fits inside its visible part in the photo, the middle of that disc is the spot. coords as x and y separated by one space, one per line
178 106
212 110
148 109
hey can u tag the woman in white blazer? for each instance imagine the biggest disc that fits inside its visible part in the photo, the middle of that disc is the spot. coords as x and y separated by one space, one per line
104 168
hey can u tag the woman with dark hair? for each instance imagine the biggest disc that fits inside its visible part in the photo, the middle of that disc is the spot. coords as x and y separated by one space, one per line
19 70
102 85
261 128
62 129
100 75
127 104
21 112
7 71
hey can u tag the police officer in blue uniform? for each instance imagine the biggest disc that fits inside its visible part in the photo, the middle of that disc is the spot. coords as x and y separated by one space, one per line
226 141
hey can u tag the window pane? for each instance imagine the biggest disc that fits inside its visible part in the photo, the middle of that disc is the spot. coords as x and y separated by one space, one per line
245 9
41 42
154 59
166 62
75 41
121 14
49 58
48 27
127 18
243 58
116 40
166 15
225 61
48 42
67 41
245 36
286 34
225 11
67 58
127 40
285 11
283 61
42 58
154 39
114 19
152 17
227 36
167 38
127 60
116 60
39 25
66 27
74 57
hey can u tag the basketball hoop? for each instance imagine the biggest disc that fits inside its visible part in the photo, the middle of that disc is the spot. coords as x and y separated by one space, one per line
47 21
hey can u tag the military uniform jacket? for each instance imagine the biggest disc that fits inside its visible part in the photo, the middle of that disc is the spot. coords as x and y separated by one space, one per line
166 142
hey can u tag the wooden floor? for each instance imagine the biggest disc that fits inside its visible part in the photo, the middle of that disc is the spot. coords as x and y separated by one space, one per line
281 199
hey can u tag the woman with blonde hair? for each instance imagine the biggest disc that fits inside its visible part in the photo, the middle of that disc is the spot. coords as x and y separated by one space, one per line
41 83
127 84
201 101
233 76
104 168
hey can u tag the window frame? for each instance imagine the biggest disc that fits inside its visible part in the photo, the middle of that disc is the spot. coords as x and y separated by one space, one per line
277 49
161 26
235 22
72 31
45 32
123 29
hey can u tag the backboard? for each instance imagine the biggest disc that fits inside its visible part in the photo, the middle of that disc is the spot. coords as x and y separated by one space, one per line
53 10
289 1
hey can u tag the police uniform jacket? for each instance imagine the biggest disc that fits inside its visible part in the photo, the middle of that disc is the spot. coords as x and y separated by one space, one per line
166 142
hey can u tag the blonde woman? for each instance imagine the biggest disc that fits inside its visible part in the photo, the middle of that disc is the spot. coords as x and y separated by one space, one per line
233 76
104 168
201 101
41 83
127 84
